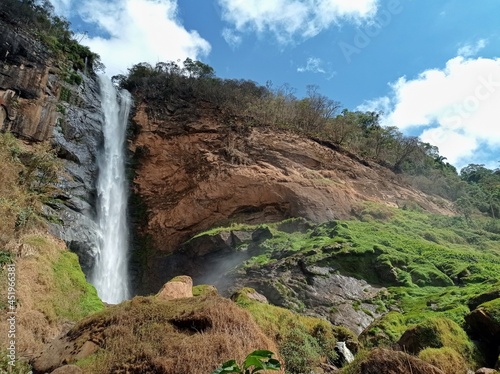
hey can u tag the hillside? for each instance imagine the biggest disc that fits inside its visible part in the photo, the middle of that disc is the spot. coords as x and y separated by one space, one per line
309 231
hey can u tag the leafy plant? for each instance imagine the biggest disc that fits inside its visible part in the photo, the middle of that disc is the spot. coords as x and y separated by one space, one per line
254 362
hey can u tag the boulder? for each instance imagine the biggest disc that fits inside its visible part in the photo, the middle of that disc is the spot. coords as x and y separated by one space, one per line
178 287
486 371
392 362
434 333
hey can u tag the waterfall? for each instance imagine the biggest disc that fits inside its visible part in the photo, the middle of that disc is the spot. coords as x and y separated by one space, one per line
110 273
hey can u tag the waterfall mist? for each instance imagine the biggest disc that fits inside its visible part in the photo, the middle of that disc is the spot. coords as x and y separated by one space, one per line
110 273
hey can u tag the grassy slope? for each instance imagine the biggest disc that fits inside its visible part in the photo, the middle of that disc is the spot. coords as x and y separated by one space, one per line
51 289
431 265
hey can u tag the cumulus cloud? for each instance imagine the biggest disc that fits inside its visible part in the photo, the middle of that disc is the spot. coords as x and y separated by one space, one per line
455 107
135 31
287 19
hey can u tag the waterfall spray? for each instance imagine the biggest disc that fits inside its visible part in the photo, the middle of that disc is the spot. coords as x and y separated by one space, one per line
110 273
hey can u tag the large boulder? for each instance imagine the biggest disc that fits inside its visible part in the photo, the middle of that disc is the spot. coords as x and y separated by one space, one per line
178 287
435 333
385 361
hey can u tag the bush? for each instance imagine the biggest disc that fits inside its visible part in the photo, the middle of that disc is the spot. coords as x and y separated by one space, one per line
300 351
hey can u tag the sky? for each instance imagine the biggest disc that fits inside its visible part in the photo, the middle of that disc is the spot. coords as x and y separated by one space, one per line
431 67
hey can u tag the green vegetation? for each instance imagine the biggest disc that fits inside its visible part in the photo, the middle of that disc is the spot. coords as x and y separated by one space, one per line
445 358
304 342
38 19
28 178
432 266
254 362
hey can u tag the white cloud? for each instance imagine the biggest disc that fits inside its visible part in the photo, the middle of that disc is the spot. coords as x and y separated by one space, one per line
469 50
456 106
289 18
61 7
137 31
231 38
313 65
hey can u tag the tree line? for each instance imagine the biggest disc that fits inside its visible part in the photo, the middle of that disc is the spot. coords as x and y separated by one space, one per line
37 18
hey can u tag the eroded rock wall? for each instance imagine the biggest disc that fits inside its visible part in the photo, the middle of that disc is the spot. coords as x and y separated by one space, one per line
198 168
36 104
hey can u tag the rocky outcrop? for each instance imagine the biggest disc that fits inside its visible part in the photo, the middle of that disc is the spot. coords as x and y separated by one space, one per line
296 280
179 287
28 85
198 168
37 104
78 137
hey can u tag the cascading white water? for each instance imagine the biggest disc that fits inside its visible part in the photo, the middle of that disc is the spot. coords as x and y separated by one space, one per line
110 273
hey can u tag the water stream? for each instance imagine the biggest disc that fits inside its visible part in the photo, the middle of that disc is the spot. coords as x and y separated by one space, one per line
110 273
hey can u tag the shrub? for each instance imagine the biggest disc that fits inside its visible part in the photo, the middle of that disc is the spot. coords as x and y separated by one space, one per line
300 351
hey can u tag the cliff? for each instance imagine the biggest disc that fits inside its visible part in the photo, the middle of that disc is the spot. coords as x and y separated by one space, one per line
198 168
37 104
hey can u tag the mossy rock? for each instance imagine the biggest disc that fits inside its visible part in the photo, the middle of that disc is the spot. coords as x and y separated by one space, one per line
428 275
446 359
204 290
378 361
437 333
383 332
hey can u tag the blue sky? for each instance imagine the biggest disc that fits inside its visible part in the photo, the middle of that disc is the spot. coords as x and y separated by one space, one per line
432 67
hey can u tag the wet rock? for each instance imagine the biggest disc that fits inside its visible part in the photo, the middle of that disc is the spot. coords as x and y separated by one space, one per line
241 237
262 233
205 244
78 136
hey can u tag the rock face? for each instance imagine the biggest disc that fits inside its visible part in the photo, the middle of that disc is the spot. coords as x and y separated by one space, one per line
78 137
37 105
197 169
28 88
294 280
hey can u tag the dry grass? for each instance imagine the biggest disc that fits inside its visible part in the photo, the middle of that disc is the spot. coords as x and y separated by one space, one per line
44 307
446 358
191 335
386 361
